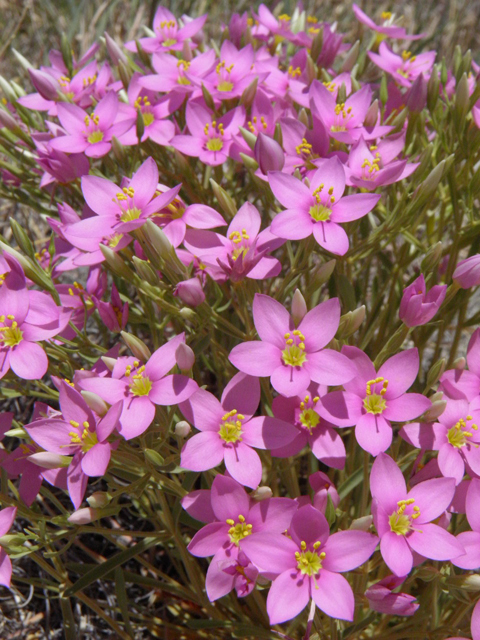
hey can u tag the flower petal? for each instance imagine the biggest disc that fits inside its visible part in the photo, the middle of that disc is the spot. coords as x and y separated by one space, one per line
288 596
400 370
271 320
334 596
396 553
256 358
330 367
373 433
347 550
243 464
202 451
320 324
209 539
433 497
387 483
229 499
435 543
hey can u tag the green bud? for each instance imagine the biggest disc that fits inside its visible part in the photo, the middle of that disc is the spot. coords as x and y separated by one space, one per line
125 74
299 307
99 499
371 116
317 44
249 137
351 57
323 273
187 313
66 49
428 573
311 70
145 271
115 262
432 258
384 90
277 134
22 239
118 151
362 524
342 94
154 457
140 125
303 116
462 99
108 362
443 72
143 55
350 322
95 402
157 239
248 94
224 199
22 60
464 582
136 346
393 345
433 88
249 162
208 98
330 514
457 62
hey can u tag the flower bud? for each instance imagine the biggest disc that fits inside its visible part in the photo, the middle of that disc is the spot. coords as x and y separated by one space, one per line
299 307
462 99
433 88
249 137
362 524
99 499
434 412
48 460
115 262
269 154
22 239
323 273
114 51
108 362
43 82
7 121
371 116
84 516
136 346
417 95
350 322
465 582
182 429
187 314
262 493
95 402
435 372
184 357
467 272
190 292
351 57
418 307
224 199
460 363
432 257
248 94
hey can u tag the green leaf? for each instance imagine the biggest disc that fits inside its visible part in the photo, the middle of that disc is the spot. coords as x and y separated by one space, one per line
122 599
69 629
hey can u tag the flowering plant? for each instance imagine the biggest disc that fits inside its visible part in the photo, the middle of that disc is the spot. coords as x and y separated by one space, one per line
243 328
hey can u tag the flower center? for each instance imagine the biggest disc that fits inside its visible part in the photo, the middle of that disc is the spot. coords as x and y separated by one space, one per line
308 417
130 214
255 125
238 531
139 385
294 353
240 243
231 426
457 435
113 240
309 562
224 72
320 213
401 522
169 42
87 439
373 402
341 117
214 134
304 148
10 335
168 29
370 168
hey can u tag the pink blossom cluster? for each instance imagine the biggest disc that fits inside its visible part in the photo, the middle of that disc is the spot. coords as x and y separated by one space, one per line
320 153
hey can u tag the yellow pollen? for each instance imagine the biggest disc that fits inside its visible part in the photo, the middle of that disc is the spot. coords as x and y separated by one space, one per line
231 427
401 522
238 531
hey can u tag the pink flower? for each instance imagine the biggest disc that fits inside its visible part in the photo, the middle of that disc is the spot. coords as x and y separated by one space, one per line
174 76
455 436
318 208
91 134
190 292
387 28
307 565
233 72
383 599
232 516
373 399
7 516
169 35
301 411
375 166
471 539
404 68
344 122
142 386
464 383
115 313
418 307
80 433
26 318
124 209
403 519
210 139
467 272
290 356
323 489
242 253
228 431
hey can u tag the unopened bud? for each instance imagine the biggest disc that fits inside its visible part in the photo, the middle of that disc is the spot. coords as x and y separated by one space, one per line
95 402
140 125
208 98
303 116
350 322
43 82
323 273
432 257
48 460
22 239
84 516
184 357
299 307
26 64
249 137
154 457
187 314
125 74
371 116
383 90
224 199
136 346
108 362
182 429
248 94
362 524
434 412
269 154
462 96
7 121
428 573
342 94
190 292
249 162
465 582
433 88
351 57
99 499
417 95
143 55
145 271
311 70
262 493
435 372
115 262
317 44
114 51
460 363
157 239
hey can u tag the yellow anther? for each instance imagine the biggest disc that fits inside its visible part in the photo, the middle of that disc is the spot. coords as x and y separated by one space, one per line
74 424
241 518
230 521
303 545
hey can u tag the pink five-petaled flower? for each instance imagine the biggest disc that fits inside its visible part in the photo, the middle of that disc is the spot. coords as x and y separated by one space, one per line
210 139
417 306
80 433
25 318
301 411
228 431
318 208
404 519
142 386
93 133
404 68
169 35
124 209
241 253
7 516
388 28
290 356
308 564
372 399
455 436
232 516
